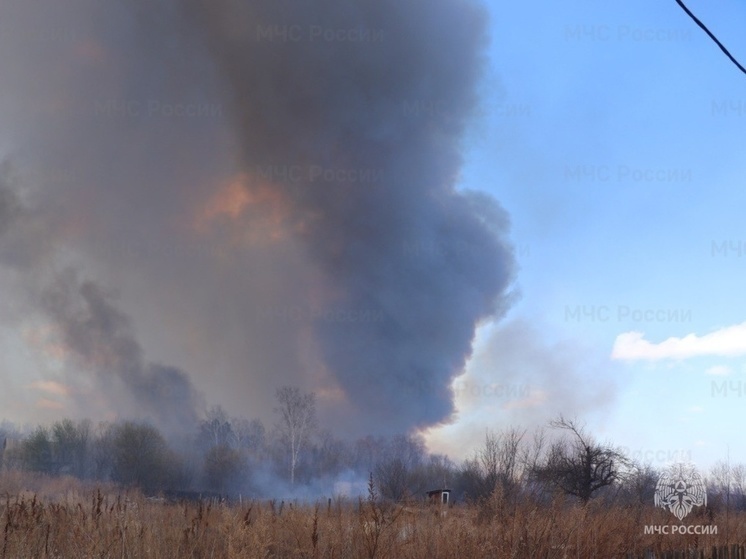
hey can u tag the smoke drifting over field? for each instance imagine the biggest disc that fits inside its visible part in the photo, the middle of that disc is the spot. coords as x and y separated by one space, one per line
272 187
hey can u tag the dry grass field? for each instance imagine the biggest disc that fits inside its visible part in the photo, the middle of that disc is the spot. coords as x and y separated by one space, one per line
62 518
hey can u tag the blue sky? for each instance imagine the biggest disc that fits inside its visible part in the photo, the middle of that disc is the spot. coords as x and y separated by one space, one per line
617 151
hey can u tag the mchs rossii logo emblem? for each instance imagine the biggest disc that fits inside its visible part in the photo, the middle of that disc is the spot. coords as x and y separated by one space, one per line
680 488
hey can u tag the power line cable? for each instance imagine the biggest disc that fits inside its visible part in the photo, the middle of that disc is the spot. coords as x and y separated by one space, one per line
718 43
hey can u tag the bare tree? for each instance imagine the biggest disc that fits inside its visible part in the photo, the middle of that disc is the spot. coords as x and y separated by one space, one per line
496 464
729 483
639 486
500 457
393 477
330 454
250 434
438 471
251 439
367 451
532 454
216 429
297 421
395 471
580 466
738 476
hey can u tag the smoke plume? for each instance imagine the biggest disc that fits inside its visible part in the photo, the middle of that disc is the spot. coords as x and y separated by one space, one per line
273 187
100 338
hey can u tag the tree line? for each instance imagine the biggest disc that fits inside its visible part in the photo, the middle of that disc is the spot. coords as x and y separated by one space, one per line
236 455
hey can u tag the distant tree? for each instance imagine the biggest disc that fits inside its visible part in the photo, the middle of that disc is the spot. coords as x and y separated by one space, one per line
438 471
102 451
216 429
396 470
8 435
435 471
580 466
638 487
531 457
297 413
70 444
250 435
495 465
8 430
36 452
366 451
728 482
330 454
738 479
142 458
393 477
224 468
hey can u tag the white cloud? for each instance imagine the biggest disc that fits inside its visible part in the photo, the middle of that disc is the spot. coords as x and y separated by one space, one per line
719 370
726 342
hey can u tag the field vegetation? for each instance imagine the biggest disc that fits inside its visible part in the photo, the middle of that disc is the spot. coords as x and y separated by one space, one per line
43 517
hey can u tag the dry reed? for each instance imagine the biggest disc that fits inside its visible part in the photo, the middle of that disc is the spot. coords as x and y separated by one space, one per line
62 518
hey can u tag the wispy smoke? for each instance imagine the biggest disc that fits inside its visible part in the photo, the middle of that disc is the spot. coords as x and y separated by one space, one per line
536 381
279 180
11 211
517 378
100 338
9 208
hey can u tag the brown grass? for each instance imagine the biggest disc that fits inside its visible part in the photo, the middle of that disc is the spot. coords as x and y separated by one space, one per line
63 518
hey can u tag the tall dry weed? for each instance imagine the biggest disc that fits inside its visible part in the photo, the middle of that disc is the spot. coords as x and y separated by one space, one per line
52 519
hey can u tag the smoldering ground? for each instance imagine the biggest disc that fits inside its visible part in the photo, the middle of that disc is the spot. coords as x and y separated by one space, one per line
272 188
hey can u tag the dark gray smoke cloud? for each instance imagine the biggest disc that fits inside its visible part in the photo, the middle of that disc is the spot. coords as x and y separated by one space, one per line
272 186
384 87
